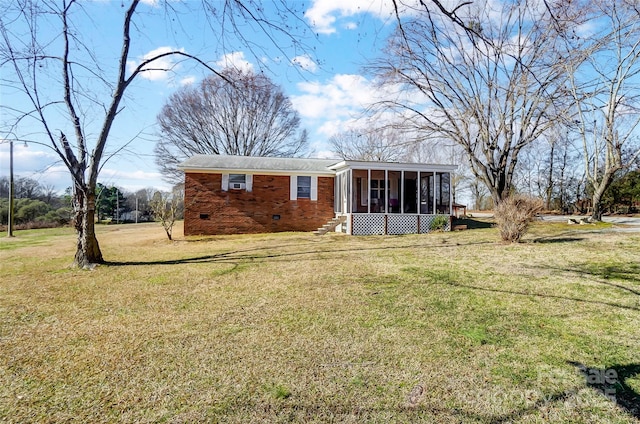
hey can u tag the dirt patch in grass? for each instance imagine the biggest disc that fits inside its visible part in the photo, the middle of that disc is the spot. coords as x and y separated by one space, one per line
446 327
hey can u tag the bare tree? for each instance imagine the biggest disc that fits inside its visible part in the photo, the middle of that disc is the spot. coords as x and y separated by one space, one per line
479 194
49 193
27 188
604 87
234 113
167 207
379 144
138 201
549 167
492 90
62 77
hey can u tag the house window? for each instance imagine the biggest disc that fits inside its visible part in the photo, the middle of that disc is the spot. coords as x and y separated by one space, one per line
378 195
304 187
237 181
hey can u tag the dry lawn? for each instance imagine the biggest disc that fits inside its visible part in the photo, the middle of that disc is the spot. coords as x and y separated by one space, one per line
445 327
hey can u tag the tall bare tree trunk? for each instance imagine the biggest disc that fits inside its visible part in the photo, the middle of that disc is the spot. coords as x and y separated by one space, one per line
498 187
596 211
563 195
88 250
550 182
599 190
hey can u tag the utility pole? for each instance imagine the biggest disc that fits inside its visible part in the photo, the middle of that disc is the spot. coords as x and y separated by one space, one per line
11 193
117 206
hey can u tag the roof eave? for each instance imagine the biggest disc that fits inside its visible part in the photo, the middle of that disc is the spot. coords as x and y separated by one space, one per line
392 166
205 170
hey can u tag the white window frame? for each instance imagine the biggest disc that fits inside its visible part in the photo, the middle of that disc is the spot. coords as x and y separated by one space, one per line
298 195
226 182
379 190
293 187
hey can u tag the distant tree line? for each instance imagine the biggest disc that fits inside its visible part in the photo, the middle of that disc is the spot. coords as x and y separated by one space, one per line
38 205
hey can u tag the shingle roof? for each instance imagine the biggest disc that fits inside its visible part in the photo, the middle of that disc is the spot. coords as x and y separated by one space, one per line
251 163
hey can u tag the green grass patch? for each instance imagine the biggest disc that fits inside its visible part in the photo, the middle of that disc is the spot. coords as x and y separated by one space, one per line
278 391
40 237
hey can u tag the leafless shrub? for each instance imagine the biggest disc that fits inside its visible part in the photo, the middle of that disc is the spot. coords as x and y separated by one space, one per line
166 208
514 214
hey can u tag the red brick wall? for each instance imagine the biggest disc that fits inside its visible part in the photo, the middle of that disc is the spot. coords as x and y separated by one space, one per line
239 211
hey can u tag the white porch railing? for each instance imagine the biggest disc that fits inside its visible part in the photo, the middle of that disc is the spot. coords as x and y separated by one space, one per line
362 224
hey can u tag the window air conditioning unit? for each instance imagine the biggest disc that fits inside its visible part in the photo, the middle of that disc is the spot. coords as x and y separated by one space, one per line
237 186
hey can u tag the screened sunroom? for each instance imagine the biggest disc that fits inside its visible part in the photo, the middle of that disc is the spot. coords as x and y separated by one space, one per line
392 198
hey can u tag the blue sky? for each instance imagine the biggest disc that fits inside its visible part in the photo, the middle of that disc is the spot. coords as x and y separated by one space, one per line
327 87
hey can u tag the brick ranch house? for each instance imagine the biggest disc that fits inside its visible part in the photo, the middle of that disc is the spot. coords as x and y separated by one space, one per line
242 194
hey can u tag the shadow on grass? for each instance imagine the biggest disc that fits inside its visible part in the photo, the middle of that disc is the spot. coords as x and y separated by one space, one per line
602 274
529 294
623 271
612 384
423 412
545 240
473 224
254 255
564 237
546 400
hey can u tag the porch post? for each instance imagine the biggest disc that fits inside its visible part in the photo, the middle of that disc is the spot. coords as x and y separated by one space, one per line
345 192
435 205
419 193
439 192
402 191
336 195
450 194
350 191
368 190
386 191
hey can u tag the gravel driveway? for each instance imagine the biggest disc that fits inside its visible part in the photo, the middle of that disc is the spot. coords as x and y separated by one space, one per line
629 224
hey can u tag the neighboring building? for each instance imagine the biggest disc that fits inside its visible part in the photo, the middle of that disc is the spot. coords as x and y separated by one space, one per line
241 194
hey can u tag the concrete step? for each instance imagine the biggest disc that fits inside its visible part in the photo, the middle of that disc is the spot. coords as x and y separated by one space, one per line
332 224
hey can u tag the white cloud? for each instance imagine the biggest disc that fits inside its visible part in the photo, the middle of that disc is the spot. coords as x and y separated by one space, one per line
57 176
158 69
234 60
342 103
344 96
320 152
35 162
305 62
336 126
323 14
188 80
26 158
133 180
336 105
